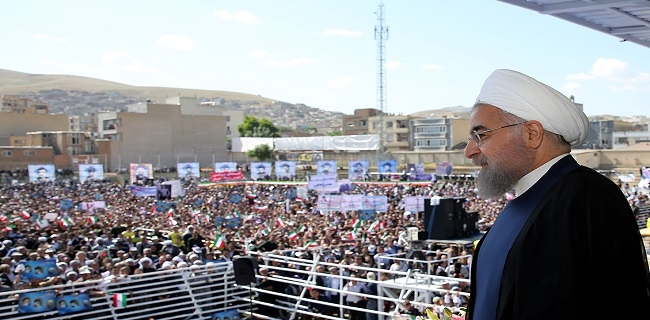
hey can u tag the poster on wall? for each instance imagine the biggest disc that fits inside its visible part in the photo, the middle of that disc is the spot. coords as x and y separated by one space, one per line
285 169
89 172
326 167
140 171
260 170
41 172
357 170
388 166
188 169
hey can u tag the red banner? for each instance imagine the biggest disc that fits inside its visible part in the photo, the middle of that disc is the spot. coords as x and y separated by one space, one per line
226 176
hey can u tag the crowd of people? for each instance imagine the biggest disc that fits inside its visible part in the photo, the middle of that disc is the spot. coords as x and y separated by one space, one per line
131 235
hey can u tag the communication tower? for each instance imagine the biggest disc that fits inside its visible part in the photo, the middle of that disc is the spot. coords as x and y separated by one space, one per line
381 35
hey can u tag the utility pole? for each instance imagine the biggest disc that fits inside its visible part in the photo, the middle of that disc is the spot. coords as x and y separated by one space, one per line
381 35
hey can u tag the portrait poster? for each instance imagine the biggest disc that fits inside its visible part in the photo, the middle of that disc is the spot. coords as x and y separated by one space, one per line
140 171
357 169
388 166
326 167
260 170
41 172
285 169
188 170
225 166
89 172
35 302
39 269
71 303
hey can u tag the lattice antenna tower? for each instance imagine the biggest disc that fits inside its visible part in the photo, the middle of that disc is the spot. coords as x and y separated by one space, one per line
381 35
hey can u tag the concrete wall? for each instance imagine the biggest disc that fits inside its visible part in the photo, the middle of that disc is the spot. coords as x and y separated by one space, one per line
19 124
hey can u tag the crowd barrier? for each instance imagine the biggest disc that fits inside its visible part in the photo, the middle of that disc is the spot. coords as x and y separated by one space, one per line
208 292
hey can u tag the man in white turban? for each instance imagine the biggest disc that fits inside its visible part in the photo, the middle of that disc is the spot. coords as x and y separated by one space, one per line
545 249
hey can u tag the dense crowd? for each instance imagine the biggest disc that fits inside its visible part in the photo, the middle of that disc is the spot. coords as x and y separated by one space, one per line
131 235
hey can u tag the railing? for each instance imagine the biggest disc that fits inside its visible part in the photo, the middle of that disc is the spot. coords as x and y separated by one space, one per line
412 285
198 292
203 292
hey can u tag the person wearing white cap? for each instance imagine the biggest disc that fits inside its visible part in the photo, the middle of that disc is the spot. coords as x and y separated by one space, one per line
546 247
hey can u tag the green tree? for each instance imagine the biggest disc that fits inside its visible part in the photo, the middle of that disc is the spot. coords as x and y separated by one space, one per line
261 152
253 127
335 133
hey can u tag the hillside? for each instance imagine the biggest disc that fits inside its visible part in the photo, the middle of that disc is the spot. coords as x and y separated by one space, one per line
12 82
75 95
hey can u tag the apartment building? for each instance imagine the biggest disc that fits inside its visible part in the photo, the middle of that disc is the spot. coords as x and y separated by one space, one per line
163 135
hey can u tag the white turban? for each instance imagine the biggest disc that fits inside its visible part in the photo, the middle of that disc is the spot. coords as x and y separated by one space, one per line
530 99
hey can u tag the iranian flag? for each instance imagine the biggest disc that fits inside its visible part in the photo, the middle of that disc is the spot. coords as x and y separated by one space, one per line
311 244
353 235
281 222
66 222
265 232
93 220
374 226
302 228
3 218
42 223
119 300
236 215
219 242
25 214
153 209
267 225
356 224
9 227
292 236
170 212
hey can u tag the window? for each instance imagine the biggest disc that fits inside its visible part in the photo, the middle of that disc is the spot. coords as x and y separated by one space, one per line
89 146
431 143
29 153
431 129
227 118
363 123
389 124
74 139
19 141
389 138
7 153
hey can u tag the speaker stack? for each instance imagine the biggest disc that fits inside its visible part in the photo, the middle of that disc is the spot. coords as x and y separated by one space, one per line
449 220
245 269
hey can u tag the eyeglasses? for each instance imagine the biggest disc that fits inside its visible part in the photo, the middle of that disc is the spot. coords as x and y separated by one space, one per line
476 135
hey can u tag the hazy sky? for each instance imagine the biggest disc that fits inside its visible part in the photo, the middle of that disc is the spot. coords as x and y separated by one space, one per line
324 53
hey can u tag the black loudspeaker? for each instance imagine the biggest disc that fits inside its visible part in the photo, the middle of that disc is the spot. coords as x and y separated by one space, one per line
445 220
245 269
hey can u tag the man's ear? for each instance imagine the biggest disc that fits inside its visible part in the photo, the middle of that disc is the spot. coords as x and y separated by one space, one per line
533 133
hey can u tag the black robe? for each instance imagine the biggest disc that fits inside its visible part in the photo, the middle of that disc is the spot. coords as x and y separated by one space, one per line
579 249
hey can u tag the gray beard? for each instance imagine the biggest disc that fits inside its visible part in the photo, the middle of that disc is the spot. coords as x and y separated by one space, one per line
494 182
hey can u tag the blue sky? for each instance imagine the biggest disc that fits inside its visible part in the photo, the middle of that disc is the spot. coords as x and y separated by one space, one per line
324 53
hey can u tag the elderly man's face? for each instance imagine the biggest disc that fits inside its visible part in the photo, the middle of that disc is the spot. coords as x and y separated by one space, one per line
503 156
